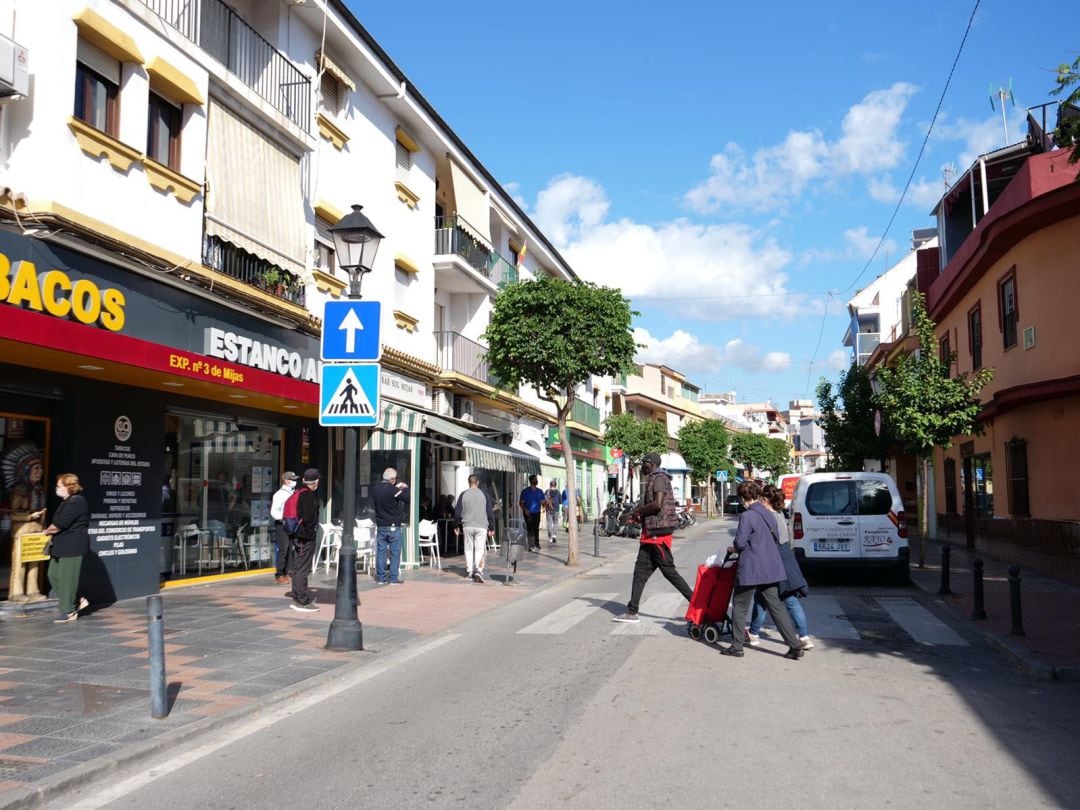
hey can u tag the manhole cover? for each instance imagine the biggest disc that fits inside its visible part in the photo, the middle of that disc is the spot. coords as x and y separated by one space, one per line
13 768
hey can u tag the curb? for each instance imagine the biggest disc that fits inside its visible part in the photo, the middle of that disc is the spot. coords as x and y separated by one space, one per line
85 773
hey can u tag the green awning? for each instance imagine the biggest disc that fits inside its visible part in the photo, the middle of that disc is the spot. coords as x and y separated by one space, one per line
483 452
398 428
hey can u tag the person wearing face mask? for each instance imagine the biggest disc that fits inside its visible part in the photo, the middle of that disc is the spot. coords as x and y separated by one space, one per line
281 537
69 541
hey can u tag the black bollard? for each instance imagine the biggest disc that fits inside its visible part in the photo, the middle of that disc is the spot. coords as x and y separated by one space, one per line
978 612
946 554
596 538
155 631
1014 602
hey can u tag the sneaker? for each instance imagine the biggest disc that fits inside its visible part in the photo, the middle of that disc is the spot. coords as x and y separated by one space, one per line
478 577
794 653
764 633
753 639
553 541
397 582
630 618
806 643
301 608
290 595
730 650
84 603
70 617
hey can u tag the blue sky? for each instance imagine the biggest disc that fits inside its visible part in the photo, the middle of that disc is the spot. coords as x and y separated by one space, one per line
727 165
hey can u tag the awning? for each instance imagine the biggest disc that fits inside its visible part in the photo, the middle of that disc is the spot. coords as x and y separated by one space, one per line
472 203
673 462
549 467
398 428
483 452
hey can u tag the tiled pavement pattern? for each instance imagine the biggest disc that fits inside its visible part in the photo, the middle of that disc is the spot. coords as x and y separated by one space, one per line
74 692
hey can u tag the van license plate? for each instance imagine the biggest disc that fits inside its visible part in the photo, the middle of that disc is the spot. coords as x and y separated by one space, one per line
831 547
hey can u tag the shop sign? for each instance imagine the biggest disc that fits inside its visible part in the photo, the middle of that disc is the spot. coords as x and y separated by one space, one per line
404 389
249 351
123 486
31 548
53 292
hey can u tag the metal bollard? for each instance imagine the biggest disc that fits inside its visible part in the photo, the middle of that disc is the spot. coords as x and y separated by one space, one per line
155 631
1014 602
596 538
946 555
978 612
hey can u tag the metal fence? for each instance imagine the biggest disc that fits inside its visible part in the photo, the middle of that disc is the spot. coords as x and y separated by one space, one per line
250 269
459 353
223 34
454 235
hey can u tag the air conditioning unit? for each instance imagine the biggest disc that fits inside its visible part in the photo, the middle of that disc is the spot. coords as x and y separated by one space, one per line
14 69
444 402
465 409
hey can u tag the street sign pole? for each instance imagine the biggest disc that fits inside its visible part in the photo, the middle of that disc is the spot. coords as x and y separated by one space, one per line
346 632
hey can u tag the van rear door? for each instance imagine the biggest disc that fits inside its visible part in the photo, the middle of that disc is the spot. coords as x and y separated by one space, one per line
831 521
878 532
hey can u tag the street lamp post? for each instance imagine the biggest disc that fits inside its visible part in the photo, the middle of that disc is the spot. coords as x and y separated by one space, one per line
356 241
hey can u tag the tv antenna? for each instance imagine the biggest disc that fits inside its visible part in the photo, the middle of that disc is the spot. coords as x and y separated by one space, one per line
1002 94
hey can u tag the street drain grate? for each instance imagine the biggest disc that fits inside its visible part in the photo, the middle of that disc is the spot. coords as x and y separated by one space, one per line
891 601
12 768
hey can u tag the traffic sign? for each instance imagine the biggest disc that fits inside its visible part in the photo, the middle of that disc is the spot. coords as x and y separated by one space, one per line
721 475
349 395
351 331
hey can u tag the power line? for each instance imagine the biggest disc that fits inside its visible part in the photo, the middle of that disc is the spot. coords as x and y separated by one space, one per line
922 149
813 357
725 297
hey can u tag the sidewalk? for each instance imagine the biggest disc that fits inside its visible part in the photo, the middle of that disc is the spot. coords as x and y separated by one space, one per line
1051 610
74 698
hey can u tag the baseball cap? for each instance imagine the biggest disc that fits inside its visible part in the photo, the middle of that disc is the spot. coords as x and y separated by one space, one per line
651 458
311 474
289 475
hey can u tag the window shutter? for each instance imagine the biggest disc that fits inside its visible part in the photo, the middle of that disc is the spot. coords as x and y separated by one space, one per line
404 159
98 61
330 91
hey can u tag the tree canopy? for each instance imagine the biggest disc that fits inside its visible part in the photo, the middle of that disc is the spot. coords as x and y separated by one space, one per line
704 446
553 335
750 450
847 419
635 437
777 456
1068 132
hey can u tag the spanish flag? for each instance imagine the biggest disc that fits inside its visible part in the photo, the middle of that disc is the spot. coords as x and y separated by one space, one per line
521 255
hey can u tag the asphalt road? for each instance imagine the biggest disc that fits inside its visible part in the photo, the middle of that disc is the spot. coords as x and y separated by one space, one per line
546 702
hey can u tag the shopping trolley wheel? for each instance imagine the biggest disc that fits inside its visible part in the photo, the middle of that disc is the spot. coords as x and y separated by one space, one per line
712 634
694 630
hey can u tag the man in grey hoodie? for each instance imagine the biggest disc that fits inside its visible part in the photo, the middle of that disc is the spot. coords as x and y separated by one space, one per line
474 515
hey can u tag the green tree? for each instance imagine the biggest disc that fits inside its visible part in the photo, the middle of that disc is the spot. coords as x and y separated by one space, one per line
1068 132
553 335
704 446
925 408
847 419
751 451
635 437
777 456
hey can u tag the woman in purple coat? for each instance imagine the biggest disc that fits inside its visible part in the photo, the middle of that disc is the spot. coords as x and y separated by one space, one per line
759 572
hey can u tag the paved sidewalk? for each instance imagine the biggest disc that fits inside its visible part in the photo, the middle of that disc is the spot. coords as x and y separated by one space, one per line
1051 610
74 698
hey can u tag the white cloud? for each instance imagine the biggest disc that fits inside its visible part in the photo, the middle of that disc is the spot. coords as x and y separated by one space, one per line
839 360
513 188
689 355
711 272
775 174
859 245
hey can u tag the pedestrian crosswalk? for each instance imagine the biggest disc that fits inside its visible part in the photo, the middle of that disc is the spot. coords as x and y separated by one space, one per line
827 618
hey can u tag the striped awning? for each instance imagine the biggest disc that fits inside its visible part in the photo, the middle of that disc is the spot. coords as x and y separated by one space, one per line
221 437
483 452
398 429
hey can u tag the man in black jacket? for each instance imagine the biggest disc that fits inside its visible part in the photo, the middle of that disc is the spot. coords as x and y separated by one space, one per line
390 498
303 543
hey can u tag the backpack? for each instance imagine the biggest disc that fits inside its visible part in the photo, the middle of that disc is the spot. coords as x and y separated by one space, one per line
290 520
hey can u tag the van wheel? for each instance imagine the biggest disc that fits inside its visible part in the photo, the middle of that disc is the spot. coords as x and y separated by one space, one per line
901 573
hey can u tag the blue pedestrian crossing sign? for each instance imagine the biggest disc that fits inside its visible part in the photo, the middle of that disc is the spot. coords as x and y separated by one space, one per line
351 331
721 475
349 395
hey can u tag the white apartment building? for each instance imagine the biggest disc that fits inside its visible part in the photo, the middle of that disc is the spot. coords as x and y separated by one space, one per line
169 179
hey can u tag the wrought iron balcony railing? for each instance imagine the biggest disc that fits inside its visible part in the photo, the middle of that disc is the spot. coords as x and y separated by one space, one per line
246 267
458 353
454 236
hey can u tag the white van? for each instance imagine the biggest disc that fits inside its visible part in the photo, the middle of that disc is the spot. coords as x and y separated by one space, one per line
853 519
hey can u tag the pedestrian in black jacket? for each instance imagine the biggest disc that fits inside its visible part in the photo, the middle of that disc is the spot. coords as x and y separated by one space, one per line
70 540
303 548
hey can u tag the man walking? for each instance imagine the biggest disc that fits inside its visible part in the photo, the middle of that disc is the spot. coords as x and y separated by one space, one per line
476 517
303 543
552 499
391 500
657 516
281 537
531 501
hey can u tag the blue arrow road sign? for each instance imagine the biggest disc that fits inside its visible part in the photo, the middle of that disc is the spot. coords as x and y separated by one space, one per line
349 395
350 331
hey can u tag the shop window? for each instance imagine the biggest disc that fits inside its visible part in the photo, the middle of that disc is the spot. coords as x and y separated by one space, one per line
950 486
1017 473
97 89
163 132
975 336
1008 311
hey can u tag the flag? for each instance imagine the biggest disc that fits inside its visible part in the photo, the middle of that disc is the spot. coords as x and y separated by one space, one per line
521 256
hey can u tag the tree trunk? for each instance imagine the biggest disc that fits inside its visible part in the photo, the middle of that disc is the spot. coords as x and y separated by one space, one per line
571 487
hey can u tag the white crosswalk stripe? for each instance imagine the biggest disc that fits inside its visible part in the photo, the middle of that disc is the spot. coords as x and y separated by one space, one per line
655 614
919 623
824 618
569 615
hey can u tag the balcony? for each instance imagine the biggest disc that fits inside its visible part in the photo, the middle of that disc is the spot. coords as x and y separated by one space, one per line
246 267
459 354
585 414
865 343
223 34
473 267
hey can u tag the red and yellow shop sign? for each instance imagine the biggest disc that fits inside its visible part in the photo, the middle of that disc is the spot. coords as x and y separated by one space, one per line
53 292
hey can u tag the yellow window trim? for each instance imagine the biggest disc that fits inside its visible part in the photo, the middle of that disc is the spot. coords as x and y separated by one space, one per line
405 321
332 132
97 30
407 195
165 179
324 282
322 61
328 212
405 264
175 84
406 140
98 145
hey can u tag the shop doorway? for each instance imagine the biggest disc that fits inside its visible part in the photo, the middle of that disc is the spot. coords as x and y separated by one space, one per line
24 487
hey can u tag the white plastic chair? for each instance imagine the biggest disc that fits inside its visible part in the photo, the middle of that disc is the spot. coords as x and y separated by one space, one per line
189 536
429 539
364 537
329 548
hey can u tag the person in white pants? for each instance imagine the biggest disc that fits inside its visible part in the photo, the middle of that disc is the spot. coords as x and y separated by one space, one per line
474 514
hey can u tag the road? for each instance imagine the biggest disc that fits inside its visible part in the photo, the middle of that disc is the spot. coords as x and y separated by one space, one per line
546 702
